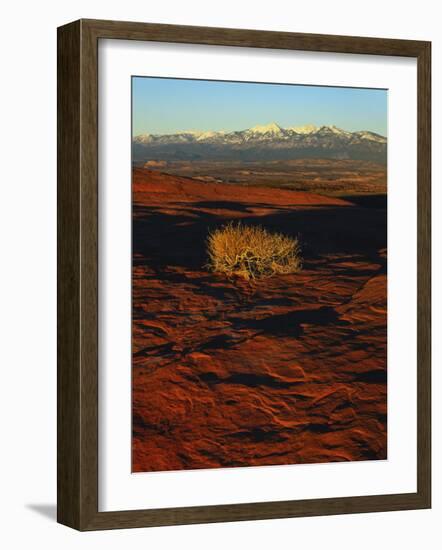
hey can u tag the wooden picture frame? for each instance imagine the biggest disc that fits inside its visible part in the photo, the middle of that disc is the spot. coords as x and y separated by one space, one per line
78 274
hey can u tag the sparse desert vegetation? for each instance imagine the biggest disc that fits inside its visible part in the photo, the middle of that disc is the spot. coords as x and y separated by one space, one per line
330 177
252 252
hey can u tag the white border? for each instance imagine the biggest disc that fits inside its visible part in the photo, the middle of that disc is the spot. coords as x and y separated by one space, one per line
118 488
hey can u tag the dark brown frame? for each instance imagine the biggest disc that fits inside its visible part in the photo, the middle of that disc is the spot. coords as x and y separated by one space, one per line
78 267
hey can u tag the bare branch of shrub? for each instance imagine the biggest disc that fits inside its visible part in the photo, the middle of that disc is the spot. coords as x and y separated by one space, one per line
252 252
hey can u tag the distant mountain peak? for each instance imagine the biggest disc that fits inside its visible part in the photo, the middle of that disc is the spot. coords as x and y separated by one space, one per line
332 129
305 129
209 134
271 128
195 133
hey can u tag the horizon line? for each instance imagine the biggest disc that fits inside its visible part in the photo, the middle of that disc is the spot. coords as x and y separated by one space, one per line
316 127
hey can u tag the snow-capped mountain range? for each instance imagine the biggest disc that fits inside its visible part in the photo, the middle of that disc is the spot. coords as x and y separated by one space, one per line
267 142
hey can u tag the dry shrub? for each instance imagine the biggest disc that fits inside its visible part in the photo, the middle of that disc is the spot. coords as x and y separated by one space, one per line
252 252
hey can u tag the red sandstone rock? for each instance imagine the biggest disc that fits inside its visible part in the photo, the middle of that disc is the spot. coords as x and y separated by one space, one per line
287 370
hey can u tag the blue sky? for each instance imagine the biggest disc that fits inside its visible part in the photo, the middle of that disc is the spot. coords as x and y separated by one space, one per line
167 105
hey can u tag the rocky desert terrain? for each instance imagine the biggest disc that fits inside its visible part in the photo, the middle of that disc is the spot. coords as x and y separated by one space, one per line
286 370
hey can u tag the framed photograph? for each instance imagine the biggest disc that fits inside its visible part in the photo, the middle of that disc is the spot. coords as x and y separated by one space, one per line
244 275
